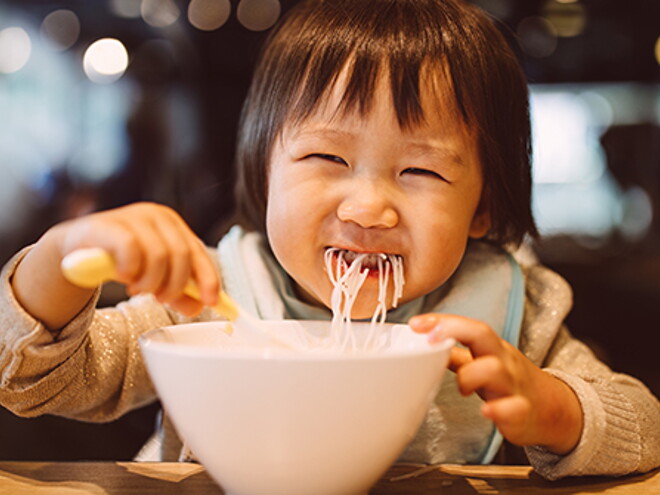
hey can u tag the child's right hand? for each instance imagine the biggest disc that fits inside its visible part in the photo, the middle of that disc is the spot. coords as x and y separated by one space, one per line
153 247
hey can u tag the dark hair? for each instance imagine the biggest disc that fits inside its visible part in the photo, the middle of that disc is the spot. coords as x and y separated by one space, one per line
318 39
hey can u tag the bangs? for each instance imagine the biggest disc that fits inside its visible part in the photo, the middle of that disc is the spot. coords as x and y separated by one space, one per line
393 42
362 72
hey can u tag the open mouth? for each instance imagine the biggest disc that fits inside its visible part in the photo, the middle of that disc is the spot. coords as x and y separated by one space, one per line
372 265
348 270
370 261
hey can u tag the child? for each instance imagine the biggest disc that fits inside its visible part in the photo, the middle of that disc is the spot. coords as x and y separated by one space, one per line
371 126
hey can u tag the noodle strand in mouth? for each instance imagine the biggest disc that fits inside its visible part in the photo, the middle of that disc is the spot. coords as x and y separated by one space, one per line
347 279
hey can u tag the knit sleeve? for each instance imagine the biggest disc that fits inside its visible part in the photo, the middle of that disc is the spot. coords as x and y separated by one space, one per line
620 432
91 370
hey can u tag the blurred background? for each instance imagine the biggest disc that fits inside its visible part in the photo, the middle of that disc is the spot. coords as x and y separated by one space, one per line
107 102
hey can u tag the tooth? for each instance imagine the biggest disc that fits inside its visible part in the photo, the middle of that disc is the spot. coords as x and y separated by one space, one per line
370 259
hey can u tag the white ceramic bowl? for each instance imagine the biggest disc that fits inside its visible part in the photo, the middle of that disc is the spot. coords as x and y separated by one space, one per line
273 421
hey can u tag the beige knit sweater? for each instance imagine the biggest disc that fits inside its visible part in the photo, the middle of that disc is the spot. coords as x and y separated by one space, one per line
93 371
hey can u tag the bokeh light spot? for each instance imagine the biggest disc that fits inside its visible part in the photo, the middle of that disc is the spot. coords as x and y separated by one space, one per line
105 60
15 49
159 13
129 9
207 15
258 15
62 28
568 18
537 37
637 214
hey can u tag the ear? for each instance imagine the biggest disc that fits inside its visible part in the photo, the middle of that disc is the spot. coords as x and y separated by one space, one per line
481 221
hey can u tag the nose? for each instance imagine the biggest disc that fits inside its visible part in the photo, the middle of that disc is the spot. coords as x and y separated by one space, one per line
368 206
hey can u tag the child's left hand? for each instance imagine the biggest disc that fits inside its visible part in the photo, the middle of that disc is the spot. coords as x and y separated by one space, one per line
528 406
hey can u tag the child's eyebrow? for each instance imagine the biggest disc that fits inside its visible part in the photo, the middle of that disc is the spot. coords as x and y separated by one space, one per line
438 152
321 132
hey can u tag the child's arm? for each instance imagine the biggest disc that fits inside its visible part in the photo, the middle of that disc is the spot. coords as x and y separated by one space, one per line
92 371
528 406
154 249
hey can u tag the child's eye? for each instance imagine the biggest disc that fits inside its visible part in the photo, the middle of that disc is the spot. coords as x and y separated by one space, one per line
325 156
423 171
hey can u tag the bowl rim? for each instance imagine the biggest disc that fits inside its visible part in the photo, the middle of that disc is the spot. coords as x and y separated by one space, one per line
147 343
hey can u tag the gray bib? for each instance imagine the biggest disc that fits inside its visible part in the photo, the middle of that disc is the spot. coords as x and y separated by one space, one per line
488 286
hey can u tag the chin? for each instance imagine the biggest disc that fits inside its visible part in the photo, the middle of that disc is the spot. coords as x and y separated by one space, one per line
364 310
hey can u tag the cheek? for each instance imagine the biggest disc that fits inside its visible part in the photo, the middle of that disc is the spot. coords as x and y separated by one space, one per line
281 235
277 218
275 210
285 202
280 199
289 220
296 200
437 250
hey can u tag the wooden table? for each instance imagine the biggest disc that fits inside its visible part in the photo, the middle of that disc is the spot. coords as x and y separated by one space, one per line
113 478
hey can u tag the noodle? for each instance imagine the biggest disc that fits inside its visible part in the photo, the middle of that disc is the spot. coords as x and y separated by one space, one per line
347 280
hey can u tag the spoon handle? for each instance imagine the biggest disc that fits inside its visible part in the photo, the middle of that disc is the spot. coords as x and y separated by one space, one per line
90 267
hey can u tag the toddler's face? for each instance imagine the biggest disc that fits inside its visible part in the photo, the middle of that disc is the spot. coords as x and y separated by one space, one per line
364 184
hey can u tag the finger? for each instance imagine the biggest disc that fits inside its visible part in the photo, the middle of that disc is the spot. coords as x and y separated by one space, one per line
129 259
486 376
508 411
114 237
201 269
424 323
178 260
474 334
204 274
459 357
186 305
155 265
512 415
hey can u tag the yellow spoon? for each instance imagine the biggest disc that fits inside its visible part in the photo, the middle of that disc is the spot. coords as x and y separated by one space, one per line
90 267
